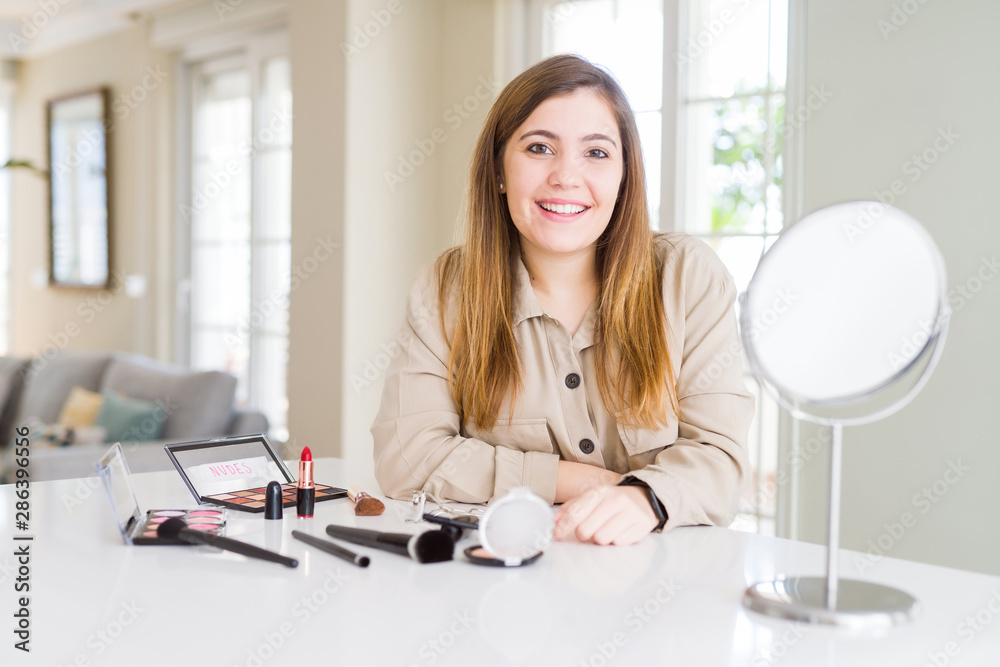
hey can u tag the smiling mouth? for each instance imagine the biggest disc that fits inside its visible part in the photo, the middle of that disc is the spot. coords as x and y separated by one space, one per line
562 209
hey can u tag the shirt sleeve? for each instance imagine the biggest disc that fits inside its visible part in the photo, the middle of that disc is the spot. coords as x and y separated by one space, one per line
417 432
700 477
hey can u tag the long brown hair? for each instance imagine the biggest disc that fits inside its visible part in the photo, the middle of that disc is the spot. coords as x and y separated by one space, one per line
635 376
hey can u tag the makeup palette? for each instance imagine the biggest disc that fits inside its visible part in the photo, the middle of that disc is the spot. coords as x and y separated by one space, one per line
252 500
138 527
208 520
234 472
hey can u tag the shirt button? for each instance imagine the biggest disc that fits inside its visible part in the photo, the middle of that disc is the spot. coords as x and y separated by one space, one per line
586 446
572 380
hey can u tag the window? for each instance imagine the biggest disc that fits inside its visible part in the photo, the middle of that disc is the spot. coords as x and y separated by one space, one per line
733 59
730 67
627 38
238 266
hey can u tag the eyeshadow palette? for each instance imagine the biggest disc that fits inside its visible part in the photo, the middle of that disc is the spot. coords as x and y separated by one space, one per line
138 527
233 472
209 520
252 500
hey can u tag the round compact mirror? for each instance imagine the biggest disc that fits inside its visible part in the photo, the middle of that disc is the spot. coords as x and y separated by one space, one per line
514 530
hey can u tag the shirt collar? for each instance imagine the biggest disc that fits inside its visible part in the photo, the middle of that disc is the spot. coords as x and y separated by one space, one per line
527 306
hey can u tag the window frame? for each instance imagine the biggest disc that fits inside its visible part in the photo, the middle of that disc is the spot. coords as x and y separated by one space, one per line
217 55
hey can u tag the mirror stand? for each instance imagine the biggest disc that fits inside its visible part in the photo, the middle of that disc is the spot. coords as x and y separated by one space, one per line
830 600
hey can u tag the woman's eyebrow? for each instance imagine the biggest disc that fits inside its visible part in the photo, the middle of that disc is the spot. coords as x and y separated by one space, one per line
555 137
599 137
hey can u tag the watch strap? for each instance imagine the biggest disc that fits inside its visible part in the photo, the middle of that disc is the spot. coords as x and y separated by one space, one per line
658 509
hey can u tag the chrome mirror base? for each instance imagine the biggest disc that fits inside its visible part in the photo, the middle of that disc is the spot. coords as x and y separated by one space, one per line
858 604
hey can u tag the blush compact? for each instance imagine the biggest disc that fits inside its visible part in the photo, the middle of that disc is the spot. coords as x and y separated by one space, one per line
138 527
234 472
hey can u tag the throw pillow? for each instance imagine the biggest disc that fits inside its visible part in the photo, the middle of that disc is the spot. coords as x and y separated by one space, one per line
130 420
80 408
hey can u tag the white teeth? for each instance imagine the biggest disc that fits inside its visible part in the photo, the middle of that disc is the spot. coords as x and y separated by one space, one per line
565 209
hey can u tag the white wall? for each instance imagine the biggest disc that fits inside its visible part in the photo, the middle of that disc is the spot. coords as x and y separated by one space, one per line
401 90
44 318
890 98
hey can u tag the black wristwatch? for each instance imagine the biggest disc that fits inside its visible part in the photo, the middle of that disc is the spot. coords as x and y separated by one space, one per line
658 509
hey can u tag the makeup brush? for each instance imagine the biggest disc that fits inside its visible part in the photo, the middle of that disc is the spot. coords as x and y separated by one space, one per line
364 505
432 546
176 529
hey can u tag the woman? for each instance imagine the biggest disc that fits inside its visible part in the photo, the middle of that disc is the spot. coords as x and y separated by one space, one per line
564 346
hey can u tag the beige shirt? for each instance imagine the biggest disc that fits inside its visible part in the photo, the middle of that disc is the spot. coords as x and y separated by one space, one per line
697 466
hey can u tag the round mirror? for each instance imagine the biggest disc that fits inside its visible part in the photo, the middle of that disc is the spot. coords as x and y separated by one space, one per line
843 323
843 304
517 527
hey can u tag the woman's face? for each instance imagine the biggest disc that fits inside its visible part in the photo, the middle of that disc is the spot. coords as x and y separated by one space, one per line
561 172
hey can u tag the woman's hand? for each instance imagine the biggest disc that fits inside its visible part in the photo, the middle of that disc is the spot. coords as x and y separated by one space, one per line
607 515
574 479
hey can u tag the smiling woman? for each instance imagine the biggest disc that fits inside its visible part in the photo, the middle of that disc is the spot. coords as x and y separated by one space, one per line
574 352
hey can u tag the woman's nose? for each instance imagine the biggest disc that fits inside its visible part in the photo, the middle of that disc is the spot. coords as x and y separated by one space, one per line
565 172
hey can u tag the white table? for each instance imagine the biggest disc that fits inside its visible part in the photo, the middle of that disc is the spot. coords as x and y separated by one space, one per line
673 599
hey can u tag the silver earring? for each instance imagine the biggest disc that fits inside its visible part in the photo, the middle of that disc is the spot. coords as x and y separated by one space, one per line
501 187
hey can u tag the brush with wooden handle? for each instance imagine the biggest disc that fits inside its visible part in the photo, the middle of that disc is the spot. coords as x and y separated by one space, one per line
364 505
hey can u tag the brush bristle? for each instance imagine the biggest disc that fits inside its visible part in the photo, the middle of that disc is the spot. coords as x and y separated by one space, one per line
368 506
434 546
171 528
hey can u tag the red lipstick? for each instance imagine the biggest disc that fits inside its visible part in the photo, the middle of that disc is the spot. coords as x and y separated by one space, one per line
306 488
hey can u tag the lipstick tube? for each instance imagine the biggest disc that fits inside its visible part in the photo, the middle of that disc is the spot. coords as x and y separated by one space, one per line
306 488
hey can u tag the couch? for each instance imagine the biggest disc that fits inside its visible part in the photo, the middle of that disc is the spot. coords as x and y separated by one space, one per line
196 404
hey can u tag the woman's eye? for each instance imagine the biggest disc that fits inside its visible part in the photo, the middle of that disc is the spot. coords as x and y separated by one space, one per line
538 149
597 152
